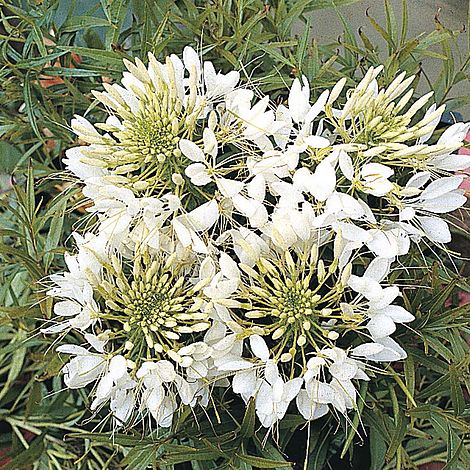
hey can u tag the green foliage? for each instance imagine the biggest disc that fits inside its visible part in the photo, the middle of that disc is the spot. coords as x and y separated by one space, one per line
51 58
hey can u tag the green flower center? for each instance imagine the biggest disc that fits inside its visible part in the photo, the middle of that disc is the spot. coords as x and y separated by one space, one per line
154 303
297 303
150 138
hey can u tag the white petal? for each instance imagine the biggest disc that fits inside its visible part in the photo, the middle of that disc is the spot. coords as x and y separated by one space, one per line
441 186
191 59
259 347
418 180
385 298
165 370
235 365
436 229
308 408
454 134
367 349
57 328
228 267
210 142
452 162
324 182
73 349
117 367
229 188
183 234
372 170
380 326
446 203
378 269
343 370
383 244
191 150
317 141
318 107
345 164
397 313
257 188
291 389
244 382
299 99
204 216
67 308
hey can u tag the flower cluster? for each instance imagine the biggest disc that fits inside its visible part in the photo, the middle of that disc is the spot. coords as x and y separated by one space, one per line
240 244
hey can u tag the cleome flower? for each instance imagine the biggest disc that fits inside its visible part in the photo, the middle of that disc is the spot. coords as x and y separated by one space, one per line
305 304
151 299
152 109
291 297
373 117
138 319
237 243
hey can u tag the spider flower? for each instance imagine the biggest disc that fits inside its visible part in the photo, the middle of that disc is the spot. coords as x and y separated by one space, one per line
245 244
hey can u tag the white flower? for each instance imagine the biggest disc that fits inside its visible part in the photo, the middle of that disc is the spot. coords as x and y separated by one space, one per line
246 381
188 226
319 184
440 196
383 316
375 179
215 211
381 350
340 392
85 368
158 378
274 396
76 315
116 386
201 171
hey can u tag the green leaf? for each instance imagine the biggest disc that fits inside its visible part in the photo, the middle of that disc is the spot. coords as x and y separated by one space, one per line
9 157
397 436
16 362
273 53
78 23
247 428
410 380
101 57
392 27
28 456
30 106
261 462
55 232
140 457
303 44
378 449
456 393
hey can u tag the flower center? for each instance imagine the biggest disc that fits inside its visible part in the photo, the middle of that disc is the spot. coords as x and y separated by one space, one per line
298 303
151 309
151 138
153 303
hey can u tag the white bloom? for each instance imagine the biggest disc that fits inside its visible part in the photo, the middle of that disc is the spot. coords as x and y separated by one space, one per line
84 368
319 184
274 396
383 316
440 196
375 179
188 226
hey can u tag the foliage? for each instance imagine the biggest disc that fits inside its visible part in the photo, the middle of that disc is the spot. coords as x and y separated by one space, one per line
49 64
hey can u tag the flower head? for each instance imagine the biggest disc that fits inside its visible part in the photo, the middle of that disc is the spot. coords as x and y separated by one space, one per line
150 112
152 300
296 300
